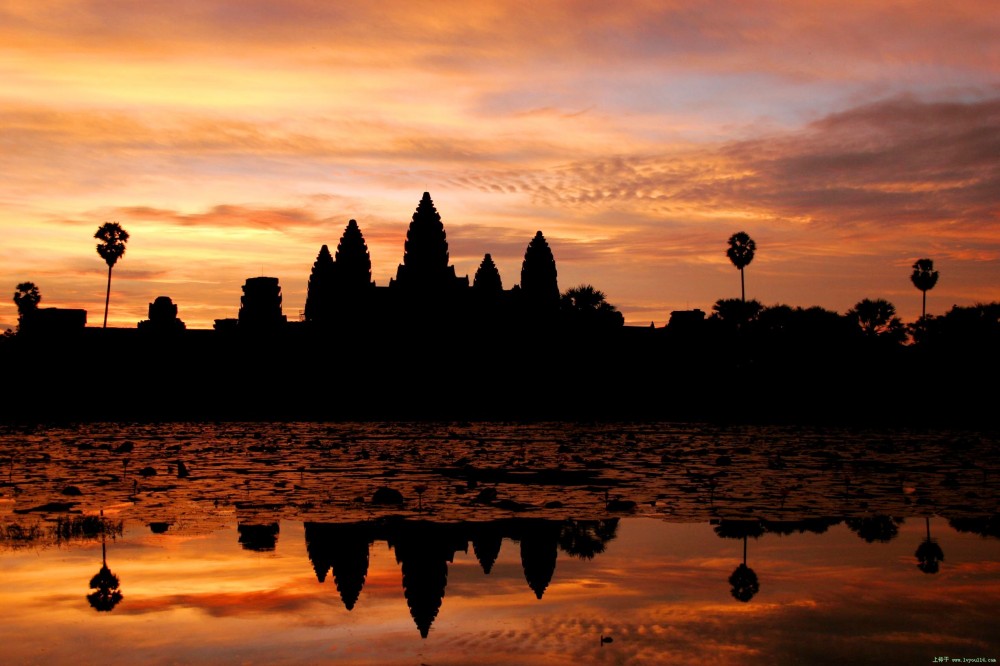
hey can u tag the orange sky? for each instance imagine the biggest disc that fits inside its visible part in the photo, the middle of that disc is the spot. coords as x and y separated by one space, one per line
232 139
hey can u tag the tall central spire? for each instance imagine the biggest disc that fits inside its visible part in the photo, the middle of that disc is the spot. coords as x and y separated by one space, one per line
426 249
425 258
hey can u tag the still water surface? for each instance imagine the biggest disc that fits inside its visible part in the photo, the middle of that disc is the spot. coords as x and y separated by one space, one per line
746 546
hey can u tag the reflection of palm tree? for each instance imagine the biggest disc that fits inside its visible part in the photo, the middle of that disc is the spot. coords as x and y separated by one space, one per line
587 538
929 553
743 580
924 278
106 593
740 252
739 529
880 528
983 526
111 248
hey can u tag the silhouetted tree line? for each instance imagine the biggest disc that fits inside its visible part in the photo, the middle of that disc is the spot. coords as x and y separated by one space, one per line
432 345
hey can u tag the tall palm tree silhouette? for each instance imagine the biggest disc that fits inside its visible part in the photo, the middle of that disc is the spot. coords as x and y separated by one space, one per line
743 581
924 278
106 591
111 248
740 252
929 554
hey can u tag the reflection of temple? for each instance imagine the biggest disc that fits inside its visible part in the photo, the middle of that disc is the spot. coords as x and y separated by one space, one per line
342 549
258 537
486 544
539 547
424 550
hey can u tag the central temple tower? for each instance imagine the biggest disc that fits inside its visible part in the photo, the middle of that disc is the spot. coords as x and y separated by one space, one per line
425 266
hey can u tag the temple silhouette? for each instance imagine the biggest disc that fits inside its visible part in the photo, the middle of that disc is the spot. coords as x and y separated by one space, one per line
424 549
432 344
426 291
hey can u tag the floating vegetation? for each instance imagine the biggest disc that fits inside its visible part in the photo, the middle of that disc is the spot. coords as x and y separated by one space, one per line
74 528
15 535
86 528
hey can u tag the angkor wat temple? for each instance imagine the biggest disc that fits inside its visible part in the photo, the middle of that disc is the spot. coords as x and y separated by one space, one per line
426 290
432 344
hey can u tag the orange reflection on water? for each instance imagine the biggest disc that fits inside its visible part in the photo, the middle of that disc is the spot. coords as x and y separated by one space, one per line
660 591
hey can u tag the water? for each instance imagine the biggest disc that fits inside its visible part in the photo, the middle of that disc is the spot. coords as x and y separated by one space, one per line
865 546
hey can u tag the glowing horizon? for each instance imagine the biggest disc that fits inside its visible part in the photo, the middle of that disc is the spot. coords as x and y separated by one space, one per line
234 139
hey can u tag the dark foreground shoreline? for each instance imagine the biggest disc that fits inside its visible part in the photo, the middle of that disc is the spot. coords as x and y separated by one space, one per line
627 374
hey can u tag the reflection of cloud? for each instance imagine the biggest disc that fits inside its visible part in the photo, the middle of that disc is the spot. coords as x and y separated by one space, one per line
236 604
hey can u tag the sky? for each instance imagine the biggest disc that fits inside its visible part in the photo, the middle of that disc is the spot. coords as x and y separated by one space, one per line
234 139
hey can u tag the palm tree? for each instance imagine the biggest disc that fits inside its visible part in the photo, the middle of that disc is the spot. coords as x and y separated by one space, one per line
876 318
26 298
740 252
589 306
924 278
736 313
111 248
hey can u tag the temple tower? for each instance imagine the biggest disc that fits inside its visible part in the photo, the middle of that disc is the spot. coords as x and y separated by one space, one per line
425 265
539 285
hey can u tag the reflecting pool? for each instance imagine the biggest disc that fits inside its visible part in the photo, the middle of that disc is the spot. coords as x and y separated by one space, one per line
497 544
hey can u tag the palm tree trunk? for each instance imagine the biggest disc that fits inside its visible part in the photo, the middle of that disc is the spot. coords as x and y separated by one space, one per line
107 299
923 314
743 289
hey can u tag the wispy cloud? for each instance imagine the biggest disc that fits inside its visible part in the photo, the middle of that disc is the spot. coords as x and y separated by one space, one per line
846 140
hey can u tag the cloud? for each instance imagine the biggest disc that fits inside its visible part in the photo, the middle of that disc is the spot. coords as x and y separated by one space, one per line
797 37
222 216
635 136
884 165
899 160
